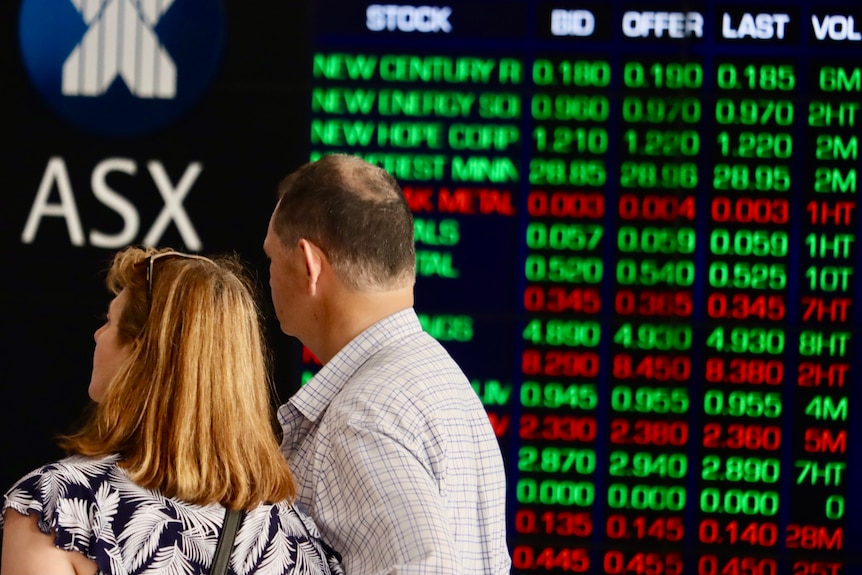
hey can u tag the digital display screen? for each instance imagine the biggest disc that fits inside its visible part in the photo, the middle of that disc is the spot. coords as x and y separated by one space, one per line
635 227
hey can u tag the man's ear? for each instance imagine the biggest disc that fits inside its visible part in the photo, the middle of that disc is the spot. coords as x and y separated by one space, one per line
314 260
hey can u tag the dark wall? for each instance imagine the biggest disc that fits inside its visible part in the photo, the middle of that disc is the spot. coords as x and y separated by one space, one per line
246 130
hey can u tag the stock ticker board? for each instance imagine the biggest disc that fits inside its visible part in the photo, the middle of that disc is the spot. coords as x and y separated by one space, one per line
635 227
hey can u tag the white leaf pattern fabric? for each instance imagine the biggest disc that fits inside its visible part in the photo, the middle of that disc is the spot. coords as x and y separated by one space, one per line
74 516
277 556
91 506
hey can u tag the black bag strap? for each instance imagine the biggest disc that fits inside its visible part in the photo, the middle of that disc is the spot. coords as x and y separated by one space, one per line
224 546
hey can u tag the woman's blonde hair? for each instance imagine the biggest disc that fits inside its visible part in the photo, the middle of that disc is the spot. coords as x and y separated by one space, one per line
190 412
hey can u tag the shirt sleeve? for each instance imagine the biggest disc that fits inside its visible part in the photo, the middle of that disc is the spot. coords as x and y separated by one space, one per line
388 506
66 505
23 498
62 503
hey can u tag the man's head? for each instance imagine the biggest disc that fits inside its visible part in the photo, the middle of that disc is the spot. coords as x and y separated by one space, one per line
340 243
356 214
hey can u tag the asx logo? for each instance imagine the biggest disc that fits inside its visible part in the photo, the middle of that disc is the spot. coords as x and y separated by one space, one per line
121 67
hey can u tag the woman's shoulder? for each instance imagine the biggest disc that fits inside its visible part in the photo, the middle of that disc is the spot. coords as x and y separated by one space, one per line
77 466
80 468
61 495
73 473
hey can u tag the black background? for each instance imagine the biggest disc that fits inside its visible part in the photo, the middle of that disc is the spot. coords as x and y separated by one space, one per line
248 131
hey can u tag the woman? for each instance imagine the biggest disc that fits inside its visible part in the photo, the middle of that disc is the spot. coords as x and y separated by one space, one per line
182 429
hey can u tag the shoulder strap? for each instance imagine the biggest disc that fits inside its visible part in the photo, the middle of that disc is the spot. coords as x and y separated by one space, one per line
225 541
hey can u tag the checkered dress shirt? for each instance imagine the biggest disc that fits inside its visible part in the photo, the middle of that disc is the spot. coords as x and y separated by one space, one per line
396 460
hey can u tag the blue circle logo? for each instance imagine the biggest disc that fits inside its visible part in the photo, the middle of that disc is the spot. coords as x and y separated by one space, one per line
122 67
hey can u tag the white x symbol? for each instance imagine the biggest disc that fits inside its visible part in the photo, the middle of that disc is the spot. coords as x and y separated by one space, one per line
120 41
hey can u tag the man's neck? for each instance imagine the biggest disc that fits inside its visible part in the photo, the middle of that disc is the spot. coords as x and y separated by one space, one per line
351 313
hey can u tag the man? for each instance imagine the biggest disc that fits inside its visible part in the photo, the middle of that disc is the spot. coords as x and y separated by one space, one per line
392 450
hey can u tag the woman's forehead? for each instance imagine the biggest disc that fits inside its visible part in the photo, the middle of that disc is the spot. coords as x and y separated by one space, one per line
118 301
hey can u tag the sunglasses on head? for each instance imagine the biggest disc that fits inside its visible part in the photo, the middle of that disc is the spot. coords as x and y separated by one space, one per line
151 262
